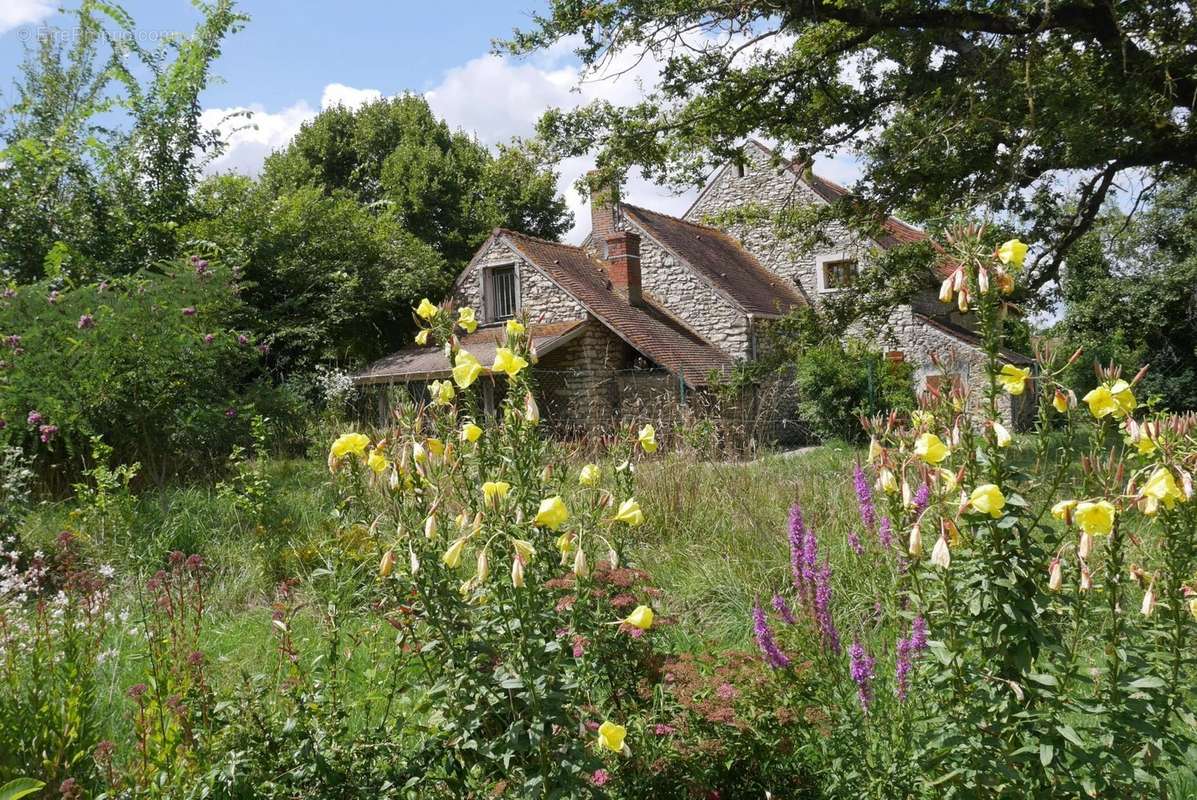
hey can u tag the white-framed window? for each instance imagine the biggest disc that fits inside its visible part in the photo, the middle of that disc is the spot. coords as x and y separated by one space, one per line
502 293
836 271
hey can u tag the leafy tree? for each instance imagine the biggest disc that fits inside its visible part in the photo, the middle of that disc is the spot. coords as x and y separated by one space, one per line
1021 107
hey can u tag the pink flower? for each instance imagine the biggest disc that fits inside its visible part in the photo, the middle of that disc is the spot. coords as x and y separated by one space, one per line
661 729
86 321
600 777
189 311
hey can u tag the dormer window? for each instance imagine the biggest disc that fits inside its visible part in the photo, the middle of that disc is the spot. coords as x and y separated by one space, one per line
836 272
501 293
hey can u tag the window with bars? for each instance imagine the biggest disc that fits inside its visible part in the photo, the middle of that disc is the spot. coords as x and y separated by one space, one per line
501 289
838 274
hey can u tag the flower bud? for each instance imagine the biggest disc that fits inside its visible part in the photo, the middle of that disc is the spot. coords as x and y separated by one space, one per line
531 410
483 571
430 527
1060 402
1086 578
1086 546
581 569
387 565
517 572
613 558
940 555
414 562
983 280
1149 600
916 541
1055 575
1075 356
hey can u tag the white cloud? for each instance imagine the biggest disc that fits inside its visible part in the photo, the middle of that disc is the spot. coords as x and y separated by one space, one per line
14 13
251 138
338 94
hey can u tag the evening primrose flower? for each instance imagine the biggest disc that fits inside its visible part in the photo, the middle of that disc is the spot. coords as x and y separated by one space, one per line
427 310
886 480
466 320
988 499
470 432
494 491
1013 379
874 450
1095 518
1111 398
355 443
580 567
589 476
466 369
941 556
611 737
452 556
442 392
514 327
931 448
517 572
435 446
1060 402
1160 488
1055 575
1012 253
629 512
377 461
1063 510
647 437
387 565
1001 435
552 513
641 617
422 336
531 410
508 362
524 548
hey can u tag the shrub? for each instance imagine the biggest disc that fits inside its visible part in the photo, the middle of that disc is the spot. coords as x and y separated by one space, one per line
154 365
839 383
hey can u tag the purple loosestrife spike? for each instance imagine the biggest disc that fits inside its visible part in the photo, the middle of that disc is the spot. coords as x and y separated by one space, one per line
831 636
854 542
922 497
885 534
783 609
764 639
797 539
902 667
861 669
918 634
864 497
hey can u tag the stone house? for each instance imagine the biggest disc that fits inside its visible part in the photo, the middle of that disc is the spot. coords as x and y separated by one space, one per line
651 305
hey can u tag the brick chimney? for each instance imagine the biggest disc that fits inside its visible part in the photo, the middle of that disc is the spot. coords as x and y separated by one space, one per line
623 265
604 200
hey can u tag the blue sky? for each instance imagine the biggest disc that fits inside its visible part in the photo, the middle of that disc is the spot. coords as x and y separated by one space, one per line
294 58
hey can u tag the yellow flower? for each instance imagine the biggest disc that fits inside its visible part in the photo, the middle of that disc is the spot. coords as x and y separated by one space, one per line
641 617
427 310
387 565
525 549
1161 488
442 392
589 476
452 556
418 454
494 491
467 320
629 512
509 362
948 478
1113 398
1063 509
1060 402
1013 379
1001 435
919 417
377 461
422 336
1012 253
988 499
355 443
647 437
1095 518
930 448
470 432
435 446
552 513
565 543
467 369
874 450
514 327
886 480
611 736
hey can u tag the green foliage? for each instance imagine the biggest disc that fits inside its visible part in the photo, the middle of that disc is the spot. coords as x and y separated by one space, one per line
838 384
152 364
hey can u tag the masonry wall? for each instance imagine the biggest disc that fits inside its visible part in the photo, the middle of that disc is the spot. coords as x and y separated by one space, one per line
542 300
577 388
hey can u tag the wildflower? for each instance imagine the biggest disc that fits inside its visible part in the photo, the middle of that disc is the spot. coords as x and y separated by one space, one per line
209 338
1086 578
442 392
508 362
1095 518
941 556
483 570
35 418
783 610
861 666
242 340
580 568
494 491
514 327
874 450
1013 379
86 321
377 461
387 565
467 320
1063 510
1160 488
902 666
1060 402
589 475
470 432
422 336
921 499
1001 435
452 556
1148 601
466 369
1012 253
418 453
931 449
435 446
413 561
854 542
864 497
552 513
885 533
350 443
531 410
611 737
988 499
426 310
430 527
661 729
822 603
886 481
918 634
647 437
517 572
915 547
47 433
641 617
189 311
1111 398
1055 575
773 655
1085 546
600 777
629 512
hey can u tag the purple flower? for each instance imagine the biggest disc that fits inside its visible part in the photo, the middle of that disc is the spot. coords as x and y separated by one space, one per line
209 338
230 413
726 691
48 432
242 340
13 341
201 266
861 666
918 634
3 424
783 609
34 418
189 311
137 690
922 497
797 544
823 618
854 542
86 321
263 348
885 533
902 667
661 729
864 497
764 639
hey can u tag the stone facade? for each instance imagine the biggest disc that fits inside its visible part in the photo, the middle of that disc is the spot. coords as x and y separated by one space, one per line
543 300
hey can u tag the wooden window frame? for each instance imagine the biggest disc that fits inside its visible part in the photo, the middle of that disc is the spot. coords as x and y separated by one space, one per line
832 259
490 292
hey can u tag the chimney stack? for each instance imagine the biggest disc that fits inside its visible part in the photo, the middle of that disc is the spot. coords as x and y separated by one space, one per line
604 200
623 265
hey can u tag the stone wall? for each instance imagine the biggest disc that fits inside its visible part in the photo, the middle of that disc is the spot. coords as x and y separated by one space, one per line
576 382
542 300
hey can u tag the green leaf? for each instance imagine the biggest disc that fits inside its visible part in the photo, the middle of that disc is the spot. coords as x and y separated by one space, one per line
1071 735
20 787
1046 752
1149 682
1045 679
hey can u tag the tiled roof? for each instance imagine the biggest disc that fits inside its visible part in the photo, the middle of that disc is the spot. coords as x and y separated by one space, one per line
647 327
423 363
972 339
721 260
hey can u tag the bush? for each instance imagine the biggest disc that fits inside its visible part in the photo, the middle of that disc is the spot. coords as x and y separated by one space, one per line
838 384
154 365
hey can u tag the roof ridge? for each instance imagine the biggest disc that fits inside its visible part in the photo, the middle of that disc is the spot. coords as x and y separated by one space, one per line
675 219
542 240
